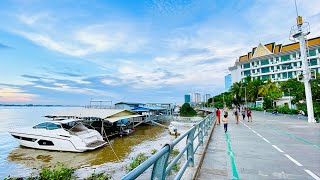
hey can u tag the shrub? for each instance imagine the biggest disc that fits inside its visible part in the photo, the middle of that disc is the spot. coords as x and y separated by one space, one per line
269 110
58 172
287 110
99 176
136 161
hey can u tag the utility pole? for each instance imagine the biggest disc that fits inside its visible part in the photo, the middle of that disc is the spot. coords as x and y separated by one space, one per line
300 31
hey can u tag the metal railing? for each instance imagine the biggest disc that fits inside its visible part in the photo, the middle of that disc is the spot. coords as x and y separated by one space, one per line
161 168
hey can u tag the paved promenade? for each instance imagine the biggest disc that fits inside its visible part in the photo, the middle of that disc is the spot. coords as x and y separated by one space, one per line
271 147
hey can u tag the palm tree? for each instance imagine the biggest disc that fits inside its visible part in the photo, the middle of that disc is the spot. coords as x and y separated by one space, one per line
236 91
253 89
267 87
270 90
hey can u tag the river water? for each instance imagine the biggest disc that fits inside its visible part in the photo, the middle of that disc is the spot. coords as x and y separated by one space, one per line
20 161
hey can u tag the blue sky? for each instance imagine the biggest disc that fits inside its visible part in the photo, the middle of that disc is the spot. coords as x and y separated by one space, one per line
68 52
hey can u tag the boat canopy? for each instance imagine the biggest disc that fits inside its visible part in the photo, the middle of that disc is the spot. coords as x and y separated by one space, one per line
90 113
115 119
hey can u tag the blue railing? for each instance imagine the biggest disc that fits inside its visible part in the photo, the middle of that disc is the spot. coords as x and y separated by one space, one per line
160 159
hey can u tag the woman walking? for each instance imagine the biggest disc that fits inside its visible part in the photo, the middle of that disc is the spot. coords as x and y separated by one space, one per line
236 114
243 112
249 115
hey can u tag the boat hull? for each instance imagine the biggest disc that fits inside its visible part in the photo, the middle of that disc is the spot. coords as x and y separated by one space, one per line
58 143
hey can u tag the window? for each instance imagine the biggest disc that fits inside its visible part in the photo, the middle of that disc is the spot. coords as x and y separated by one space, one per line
264 77
47 125
41 126
285 58
284 75
264 62
273 76
294 55
246 66
272 67
265 70
246 73
312 52
295 64
313 62
277 59
289 74
52 126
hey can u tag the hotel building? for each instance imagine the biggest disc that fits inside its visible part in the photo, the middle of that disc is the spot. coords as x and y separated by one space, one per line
276 61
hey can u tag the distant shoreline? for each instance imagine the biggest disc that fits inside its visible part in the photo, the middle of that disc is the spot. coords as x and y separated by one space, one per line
37 105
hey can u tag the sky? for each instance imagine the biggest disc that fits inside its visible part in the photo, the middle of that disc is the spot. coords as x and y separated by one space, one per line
70 51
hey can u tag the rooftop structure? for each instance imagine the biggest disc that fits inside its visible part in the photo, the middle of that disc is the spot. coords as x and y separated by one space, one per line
111 115
128 105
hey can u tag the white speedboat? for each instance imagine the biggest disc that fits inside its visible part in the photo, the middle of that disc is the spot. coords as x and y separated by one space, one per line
64 135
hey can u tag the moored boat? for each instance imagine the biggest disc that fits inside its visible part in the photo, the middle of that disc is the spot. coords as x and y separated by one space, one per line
63 135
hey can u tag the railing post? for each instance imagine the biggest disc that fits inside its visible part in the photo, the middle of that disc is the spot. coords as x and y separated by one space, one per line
200 136
159 167
190 154
206 126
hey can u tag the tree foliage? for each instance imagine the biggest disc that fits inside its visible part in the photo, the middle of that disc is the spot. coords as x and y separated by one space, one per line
187 111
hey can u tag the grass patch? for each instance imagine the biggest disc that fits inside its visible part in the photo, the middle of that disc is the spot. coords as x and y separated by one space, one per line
99 176
153 151
136 161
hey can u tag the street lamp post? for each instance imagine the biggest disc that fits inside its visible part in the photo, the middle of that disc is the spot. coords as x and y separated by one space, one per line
245 95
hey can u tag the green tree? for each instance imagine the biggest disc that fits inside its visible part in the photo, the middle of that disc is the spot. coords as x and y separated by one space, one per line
268 86
187 111
236 92
253 88
294 88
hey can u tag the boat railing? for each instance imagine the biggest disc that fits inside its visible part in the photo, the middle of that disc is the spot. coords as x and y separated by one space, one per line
160 160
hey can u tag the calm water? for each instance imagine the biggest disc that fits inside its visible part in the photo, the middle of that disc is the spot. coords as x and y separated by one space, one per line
20 161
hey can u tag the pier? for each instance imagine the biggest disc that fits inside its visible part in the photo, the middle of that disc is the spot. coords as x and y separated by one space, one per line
270 147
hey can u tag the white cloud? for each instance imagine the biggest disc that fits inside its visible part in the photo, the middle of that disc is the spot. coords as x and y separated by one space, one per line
31 19
86 39
14 95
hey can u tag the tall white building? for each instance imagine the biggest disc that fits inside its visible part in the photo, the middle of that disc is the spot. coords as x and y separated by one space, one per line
206 97
196 97
277 62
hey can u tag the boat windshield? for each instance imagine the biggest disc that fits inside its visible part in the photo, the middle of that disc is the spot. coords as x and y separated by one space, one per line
74 126
47 125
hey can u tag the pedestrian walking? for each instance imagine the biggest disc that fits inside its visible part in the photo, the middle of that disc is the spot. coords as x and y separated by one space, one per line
264 109
243 112
225 111
236 114
218 116
225 123
249 115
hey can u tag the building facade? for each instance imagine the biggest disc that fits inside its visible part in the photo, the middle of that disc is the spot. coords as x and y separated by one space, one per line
276 62
227 82
196 97
187 98
206 97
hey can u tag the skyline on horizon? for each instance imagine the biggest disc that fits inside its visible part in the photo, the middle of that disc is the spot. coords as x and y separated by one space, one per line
69 52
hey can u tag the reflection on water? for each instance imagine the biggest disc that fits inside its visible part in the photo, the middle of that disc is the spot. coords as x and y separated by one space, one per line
122 146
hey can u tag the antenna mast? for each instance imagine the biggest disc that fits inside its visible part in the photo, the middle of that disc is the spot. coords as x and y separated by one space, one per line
300 32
